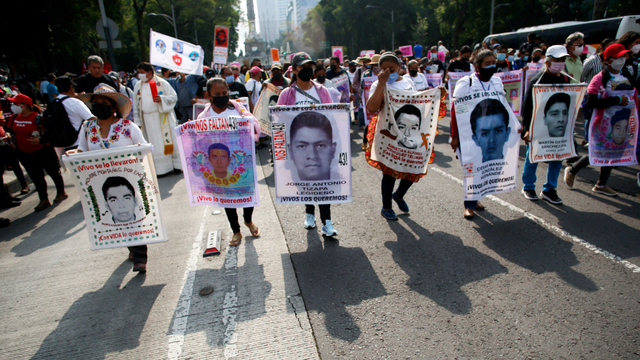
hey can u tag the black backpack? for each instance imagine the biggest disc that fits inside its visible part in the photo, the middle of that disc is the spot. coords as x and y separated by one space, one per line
59 131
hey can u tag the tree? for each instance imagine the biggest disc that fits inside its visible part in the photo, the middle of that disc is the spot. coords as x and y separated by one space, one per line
139 6
421 30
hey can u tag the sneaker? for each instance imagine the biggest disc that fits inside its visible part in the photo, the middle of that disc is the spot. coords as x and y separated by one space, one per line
530 194
328 230
402 205
569 177
604 190
310 222
551 196
389 214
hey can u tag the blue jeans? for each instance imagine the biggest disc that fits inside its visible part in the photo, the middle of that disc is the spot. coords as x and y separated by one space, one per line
361 117
470 204
529 174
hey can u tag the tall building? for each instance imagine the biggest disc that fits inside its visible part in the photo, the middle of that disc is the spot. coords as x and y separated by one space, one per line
302 7
268 15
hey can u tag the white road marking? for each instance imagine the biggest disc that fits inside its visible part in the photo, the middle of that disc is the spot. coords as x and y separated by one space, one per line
230 305
553 228
181 314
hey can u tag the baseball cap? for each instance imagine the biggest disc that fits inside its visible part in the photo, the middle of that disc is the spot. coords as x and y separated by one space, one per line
276 66
300 58
209 73
254 70
612 51
557 51
21 98
64 82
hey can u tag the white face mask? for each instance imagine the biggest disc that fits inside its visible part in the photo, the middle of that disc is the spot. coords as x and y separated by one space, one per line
16 109
142 77
635 49
618 63
556 67
578 50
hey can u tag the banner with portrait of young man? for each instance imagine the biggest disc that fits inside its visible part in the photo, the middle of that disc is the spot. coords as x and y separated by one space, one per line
342 85
433 80
405 131
219 161
489 143
366 90
555 110
311 153
120 197
269 97
512 84
613 132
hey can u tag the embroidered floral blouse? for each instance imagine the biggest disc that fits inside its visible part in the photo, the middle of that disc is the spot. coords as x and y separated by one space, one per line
121 133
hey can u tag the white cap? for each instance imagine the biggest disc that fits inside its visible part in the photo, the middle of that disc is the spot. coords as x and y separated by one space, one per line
557 51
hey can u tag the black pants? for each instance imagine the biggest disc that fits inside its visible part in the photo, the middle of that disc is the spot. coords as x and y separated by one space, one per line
232 216
388 182
11 159
325 211
139 254
37 163
605 171
4 197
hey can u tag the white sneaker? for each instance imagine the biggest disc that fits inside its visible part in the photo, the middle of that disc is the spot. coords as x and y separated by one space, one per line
310 222
328 229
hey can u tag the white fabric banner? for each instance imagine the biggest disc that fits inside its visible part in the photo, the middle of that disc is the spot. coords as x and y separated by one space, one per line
120 196
489 144
555 109
175 54
406 129
453 79
311 153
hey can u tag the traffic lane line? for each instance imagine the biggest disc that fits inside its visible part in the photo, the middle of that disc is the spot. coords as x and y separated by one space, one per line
634 268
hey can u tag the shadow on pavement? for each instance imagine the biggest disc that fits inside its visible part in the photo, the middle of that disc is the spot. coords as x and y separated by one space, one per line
333 277
167 182
526 244
439 264
116 315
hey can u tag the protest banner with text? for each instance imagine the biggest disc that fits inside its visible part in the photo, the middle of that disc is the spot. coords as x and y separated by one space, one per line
175 54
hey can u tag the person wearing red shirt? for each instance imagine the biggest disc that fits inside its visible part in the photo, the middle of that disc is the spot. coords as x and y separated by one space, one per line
34 156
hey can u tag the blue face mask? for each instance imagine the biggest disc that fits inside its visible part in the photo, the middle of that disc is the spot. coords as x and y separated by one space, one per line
525 58
392 78
511 58
501 56
428 67
229 79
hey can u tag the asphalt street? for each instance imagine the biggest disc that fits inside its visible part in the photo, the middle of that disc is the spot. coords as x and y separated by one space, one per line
522 280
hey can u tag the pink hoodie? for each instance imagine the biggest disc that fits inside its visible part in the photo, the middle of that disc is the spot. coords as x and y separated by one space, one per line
288 95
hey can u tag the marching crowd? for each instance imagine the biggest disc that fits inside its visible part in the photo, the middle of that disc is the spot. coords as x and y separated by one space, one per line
108 110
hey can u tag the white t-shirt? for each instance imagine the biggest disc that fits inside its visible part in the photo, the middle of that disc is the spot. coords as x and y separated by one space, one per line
462 86
303 100
405 84
78 112
226 113
420 81
254 87
327 83
443 49
351 75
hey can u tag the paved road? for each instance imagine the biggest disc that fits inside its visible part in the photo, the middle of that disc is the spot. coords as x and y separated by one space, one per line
521 280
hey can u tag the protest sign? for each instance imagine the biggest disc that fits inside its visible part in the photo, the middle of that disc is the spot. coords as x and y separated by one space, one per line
311 153
534 69
433 80
219 161
245 102
407 50
368 81
365 52
220 45
342 84
512 83
405 131
119 194
555 109
175 54
489 143
453 79
613 132
275 55
198 107
268 97
337 51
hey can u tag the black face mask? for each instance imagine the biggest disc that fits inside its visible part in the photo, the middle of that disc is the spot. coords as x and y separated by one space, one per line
464 60
321 79
277 76
536 59
487 73
101 111
305 74
220 101
413 73
334 67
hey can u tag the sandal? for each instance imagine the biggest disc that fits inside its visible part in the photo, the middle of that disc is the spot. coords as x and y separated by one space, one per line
255 231
235 239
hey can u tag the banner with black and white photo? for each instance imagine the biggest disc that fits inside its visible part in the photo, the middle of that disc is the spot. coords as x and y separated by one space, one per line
268 97
311 153
555 109
120 196
489 144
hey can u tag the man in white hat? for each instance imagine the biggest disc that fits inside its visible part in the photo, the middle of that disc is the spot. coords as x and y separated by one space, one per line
155 116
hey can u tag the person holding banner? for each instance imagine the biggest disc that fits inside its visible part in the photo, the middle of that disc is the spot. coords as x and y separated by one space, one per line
153 112
553 66
304 91
219 154
609 79
109 130
389 78
276 78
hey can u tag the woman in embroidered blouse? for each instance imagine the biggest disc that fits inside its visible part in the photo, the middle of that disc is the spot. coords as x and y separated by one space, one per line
107 131
221 106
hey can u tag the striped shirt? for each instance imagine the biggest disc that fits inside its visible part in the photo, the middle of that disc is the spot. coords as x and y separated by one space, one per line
591 67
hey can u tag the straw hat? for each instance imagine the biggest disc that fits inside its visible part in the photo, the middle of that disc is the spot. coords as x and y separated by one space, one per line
361 58
123 102
375 59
